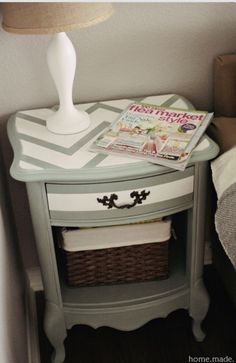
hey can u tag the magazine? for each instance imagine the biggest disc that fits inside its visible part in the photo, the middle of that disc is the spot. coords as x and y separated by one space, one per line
157 134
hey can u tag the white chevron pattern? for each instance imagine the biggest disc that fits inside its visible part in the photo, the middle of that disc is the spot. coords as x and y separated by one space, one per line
42 149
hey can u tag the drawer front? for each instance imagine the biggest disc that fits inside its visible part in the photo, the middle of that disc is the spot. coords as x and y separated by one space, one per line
115 202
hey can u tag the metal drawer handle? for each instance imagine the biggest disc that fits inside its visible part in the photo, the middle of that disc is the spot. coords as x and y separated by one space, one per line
109 202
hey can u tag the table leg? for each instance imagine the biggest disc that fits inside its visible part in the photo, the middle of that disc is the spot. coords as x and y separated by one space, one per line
54 322
199 308
54 329
199 298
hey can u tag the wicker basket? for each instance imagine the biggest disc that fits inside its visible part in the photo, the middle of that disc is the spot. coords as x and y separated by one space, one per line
116 265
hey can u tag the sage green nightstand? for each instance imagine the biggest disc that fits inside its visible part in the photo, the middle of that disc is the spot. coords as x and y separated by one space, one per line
63 182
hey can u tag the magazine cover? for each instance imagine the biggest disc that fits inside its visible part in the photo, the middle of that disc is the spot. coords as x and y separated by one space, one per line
157 134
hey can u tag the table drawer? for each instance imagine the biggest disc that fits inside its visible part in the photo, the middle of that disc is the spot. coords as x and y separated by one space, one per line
106 203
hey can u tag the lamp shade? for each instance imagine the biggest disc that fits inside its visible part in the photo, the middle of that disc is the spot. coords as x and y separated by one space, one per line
44 18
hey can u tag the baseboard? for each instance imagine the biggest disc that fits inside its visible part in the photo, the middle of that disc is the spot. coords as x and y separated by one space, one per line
33 285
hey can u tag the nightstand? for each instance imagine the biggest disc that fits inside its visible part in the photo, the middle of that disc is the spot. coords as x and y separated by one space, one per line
65 182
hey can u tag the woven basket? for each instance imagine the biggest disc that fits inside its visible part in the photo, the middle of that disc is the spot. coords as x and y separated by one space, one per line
116 264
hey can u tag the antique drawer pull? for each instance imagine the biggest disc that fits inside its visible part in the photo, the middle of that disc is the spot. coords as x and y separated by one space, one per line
137 197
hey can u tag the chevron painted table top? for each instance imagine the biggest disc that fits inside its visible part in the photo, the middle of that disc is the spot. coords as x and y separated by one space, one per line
41 155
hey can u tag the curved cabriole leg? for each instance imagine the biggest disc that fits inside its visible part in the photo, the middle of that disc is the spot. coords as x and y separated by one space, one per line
54 326
198 308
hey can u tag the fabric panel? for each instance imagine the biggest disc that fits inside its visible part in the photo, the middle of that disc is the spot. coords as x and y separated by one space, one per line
223 131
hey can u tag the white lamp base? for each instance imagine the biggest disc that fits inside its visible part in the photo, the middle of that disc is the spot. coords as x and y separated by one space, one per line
69 122
61 59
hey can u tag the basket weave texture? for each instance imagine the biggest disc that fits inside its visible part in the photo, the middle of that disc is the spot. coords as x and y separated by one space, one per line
117 265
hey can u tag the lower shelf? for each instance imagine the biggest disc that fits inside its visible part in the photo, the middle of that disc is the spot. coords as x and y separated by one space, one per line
128 306
128 315
120 295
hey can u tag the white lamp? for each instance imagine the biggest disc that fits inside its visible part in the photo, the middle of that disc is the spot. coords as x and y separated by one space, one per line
45 18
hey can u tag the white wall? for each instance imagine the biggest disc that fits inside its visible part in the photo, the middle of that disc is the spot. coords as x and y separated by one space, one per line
145 48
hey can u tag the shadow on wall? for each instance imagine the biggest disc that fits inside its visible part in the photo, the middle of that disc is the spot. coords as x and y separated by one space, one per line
13 343
17 198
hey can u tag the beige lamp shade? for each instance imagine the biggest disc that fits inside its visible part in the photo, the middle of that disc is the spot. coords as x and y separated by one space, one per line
43 18
57 18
